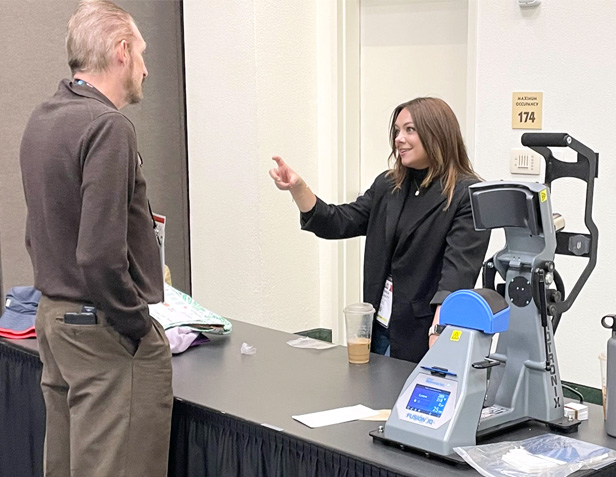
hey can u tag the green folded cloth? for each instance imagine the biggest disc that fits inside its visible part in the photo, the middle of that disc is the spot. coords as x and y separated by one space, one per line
180 309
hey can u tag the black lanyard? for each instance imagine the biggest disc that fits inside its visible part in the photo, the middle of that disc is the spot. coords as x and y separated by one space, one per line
149 206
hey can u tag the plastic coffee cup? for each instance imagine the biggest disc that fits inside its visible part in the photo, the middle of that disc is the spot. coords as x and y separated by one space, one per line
603 363
358 321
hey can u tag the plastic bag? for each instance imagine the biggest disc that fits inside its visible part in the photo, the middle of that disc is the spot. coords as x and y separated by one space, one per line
548 455
247 349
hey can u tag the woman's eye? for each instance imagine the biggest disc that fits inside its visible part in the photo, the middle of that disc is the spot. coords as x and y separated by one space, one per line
410 129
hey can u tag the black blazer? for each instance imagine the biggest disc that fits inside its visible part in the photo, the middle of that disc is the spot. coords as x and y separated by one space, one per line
437 254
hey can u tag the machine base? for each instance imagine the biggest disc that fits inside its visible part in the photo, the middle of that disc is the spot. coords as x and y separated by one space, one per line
453 459
502 428
563 426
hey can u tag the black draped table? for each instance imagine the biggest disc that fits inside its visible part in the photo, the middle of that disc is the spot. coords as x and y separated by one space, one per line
232 412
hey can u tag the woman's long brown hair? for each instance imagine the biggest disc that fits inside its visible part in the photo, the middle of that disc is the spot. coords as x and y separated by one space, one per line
439 132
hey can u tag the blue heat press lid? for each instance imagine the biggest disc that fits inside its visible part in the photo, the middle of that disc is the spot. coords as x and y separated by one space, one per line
482 309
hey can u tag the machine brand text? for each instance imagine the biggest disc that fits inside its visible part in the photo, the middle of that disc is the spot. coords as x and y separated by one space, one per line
552 369
419 418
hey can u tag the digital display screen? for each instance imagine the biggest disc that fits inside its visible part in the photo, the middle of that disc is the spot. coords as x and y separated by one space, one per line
428 400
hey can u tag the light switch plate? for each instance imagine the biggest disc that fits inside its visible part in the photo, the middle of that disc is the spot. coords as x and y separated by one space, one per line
525 161
529 3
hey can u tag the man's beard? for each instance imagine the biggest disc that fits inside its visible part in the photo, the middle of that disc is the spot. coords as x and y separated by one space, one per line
133 87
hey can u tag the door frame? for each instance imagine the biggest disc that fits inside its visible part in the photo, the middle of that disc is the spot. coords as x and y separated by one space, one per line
344 263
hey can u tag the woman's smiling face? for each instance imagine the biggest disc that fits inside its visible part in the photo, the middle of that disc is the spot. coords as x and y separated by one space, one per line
408 144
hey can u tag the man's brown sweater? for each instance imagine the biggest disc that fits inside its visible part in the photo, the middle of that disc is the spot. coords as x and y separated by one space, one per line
89 230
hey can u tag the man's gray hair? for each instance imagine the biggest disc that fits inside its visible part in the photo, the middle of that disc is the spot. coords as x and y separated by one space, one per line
93 32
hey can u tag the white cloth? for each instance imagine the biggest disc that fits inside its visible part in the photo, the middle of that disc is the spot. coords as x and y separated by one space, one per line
180 338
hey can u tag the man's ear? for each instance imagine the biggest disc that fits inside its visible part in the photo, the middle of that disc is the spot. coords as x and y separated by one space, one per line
123 52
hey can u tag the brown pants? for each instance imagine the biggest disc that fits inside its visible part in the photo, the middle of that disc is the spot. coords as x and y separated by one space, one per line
108 400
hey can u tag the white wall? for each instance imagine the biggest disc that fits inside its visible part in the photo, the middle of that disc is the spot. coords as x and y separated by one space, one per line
565 49
251 73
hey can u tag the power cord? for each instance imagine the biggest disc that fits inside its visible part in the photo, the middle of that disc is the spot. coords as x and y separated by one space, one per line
574 391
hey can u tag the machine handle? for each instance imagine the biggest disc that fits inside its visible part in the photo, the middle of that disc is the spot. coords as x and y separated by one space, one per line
546 139
438 371
585 168
486 363
609 322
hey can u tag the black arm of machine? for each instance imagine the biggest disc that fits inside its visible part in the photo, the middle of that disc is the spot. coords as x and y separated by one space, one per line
568 243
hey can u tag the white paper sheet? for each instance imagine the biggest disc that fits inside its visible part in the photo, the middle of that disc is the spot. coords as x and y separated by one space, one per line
335 416
383 415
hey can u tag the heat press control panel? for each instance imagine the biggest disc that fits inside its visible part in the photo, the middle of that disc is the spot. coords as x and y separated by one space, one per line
428 401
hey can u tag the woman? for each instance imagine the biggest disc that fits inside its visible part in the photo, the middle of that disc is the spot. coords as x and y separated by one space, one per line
421 244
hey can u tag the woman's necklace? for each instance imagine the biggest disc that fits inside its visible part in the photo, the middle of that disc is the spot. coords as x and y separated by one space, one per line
416 187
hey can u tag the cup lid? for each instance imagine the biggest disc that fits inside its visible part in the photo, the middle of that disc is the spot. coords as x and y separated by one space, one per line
359 308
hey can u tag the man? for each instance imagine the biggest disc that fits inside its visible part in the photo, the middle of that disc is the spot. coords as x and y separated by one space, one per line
106 364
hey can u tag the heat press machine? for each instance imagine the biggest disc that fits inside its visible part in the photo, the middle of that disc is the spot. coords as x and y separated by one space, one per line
461 391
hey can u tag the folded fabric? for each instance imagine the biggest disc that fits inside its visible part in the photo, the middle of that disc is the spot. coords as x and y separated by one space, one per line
180 309
19 315
29 333
182 337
